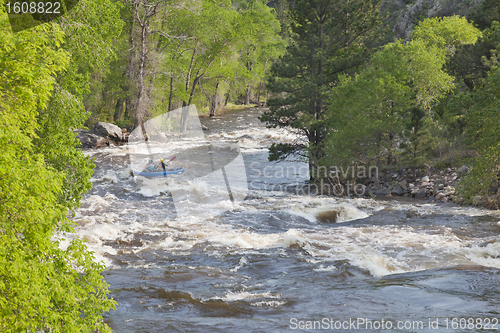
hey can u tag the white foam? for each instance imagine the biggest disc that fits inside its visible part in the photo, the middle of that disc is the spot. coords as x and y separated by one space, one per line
273 304
245 295
322 268
488 255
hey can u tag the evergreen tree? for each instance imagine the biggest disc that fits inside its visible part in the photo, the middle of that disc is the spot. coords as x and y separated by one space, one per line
328 39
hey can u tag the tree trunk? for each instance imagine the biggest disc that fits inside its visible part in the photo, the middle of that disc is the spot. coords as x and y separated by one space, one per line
215 99
227 97
119 108
129 72
140 107
170 94
247 97
258 92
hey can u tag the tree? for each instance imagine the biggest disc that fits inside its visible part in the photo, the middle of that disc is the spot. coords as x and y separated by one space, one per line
42 287
327 41
261 45
483 121
89 31
392 97
482 116
148 17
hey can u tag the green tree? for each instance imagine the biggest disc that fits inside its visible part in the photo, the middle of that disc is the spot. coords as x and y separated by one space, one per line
42 287
89 31
328 38
483 122
390 101
262 44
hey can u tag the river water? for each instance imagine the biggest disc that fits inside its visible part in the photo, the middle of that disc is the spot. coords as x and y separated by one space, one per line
278 261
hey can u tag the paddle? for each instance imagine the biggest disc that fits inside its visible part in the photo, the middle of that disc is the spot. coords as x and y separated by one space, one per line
165 171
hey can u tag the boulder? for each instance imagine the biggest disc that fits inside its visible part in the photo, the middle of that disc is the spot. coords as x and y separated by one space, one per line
382 192
421 194
159 137
109 130
90 139
397 191
440 196
463 170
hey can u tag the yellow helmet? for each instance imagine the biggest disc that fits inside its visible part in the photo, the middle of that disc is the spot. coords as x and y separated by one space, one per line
162 159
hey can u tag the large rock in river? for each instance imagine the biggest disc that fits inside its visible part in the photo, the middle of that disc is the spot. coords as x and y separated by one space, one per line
91 139
109 130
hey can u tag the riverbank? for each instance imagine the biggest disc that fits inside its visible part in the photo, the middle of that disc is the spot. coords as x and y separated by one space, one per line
430 185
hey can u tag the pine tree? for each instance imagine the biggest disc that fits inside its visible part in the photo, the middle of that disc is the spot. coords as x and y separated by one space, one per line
328 39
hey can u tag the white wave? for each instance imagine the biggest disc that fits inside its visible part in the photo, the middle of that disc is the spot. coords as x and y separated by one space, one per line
245 295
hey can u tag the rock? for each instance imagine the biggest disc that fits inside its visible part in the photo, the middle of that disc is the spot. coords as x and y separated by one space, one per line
440 186
403 183
205 128
463 170
425 179
90 139
159 137
440 196
417 180
414 192
382 192
448 169
411 186
397 191
446 194
422 193
330 216
425 184
109 130
395 175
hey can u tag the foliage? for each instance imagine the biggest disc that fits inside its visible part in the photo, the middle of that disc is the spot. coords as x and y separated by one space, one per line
327 41
487 12
386 108
483 121
42 287
446 33
89 30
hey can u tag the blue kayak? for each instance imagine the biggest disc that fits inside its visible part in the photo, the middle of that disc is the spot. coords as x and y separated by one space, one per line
161 173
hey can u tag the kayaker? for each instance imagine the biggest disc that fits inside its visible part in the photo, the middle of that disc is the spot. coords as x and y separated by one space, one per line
163 165
150 166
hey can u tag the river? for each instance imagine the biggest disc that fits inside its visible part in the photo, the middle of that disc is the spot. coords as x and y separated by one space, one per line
276 261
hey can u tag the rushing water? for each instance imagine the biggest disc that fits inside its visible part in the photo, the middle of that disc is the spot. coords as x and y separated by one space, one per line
279 261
